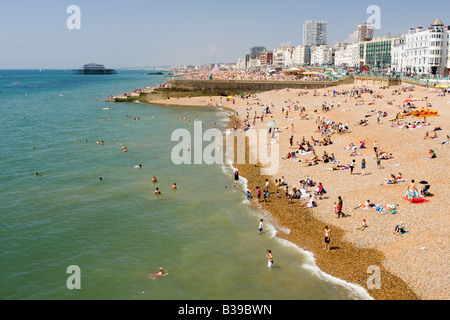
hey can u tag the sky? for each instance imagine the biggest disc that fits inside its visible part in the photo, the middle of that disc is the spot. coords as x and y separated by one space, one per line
141 33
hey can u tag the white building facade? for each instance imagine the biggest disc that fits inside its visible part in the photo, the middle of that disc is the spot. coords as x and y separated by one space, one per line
346 55
423 51
301 55
322 55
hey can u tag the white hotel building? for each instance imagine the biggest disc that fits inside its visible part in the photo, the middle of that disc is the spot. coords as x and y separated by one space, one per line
321 55
422 51
346 55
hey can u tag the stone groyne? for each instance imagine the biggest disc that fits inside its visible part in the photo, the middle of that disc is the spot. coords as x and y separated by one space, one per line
178 88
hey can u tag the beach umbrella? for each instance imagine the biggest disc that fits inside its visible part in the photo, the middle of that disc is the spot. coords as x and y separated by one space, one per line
408 100
272 123
423 182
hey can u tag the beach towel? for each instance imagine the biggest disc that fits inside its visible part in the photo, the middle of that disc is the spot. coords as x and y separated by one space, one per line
415 198
303 193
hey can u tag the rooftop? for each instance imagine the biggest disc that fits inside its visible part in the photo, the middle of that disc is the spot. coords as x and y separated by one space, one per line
437 23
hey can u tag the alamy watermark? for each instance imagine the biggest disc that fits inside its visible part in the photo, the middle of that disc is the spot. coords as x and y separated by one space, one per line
374 280
74 20
375 17
74 280
220 150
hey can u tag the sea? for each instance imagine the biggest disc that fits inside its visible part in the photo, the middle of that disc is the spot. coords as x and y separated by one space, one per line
66 234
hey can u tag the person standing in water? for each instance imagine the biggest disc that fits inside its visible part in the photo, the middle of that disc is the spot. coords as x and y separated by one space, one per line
270 258
261 226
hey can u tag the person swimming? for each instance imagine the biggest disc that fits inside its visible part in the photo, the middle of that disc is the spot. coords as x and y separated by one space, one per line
157 191
160 273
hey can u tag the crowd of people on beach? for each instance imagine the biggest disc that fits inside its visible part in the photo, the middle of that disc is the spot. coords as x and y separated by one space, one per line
217 74
326 128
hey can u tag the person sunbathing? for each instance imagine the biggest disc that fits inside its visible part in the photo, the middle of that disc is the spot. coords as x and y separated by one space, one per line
337 167
311 163
391 180
385 155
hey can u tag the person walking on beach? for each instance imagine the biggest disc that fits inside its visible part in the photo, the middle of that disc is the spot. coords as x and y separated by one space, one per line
258 193
363 166
270 258
291 140
352 165
236 177
339 207
378 160
327 238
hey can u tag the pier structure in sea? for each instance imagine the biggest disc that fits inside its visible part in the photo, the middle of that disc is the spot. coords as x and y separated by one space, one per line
94 68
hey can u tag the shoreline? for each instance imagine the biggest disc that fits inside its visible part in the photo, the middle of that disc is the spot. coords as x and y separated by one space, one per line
303 230
349 261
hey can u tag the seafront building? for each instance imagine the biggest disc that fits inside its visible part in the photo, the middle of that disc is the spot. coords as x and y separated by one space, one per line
420 52
315 33
322 55
423 51
346 55
301 55
255 52
266 58
365 32
282 56
377 53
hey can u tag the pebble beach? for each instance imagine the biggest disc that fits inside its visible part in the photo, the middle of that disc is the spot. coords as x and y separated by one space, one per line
412 265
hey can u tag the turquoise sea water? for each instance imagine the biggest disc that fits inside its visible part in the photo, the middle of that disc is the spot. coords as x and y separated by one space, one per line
117 231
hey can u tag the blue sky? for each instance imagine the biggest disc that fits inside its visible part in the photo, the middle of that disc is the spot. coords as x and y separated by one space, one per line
137 33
